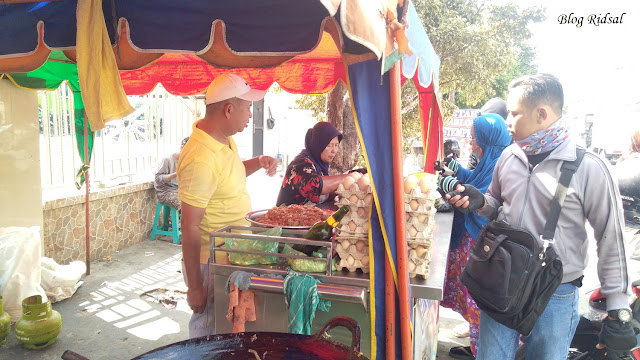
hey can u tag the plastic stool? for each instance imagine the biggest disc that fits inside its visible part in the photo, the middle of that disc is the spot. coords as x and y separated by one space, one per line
175 229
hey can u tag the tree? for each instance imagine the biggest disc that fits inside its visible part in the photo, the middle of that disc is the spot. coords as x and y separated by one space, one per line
482 47
477 43
339 113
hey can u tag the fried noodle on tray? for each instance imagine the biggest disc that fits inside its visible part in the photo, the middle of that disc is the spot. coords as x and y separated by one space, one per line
293 215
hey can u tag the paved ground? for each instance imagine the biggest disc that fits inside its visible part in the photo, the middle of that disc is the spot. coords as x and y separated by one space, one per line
108 318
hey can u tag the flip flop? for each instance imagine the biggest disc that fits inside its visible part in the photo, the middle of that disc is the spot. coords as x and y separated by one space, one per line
461 352
461 331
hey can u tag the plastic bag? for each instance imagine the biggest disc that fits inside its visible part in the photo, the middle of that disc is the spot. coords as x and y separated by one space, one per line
60 281
306 265
19 267
254 245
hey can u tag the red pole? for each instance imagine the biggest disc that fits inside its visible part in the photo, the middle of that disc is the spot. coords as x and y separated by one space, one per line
402 251
390 311
87 223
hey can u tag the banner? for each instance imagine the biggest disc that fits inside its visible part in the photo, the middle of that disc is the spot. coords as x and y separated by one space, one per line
459 128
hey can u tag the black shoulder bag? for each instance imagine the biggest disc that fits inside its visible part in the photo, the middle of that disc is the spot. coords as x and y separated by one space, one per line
510 274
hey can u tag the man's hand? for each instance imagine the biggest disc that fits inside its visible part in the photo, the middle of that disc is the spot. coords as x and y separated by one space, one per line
452 164
197 299
466 198
618 337
269 164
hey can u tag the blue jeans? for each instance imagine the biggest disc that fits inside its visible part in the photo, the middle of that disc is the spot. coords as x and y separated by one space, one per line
549 339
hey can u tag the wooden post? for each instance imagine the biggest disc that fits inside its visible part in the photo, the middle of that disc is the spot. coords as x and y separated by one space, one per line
86 198
402 252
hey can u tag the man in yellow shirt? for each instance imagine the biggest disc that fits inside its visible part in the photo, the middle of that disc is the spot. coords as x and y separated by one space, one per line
212 188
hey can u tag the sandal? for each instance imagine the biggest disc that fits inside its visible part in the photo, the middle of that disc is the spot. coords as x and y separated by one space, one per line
461 352
461 331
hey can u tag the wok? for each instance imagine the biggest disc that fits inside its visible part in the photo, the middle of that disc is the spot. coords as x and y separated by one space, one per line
259 345
252 216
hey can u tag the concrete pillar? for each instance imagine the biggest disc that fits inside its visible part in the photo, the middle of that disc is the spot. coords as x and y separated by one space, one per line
20 180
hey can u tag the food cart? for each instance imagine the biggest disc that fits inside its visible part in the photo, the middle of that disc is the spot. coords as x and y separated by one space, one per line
305 46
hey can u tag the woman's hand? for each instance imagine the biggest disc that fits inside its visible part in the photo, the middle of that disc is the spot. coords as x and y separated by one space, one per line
269 164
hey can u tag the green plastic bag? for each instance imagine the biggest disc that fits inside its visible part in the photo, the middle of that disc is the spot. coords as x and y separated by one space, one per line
306 265
254 245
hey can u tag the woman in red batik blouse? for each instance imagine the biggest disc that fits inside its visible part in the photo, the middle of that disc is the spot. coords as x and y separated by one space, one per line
307 180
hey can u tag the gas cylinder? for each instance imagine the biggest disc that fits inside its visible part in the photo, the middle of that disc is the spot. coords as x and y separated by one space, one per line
40 325
5 323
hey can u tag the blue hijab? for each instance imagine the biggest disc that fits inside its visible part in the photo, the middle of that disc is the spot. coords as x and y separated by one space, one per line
316 140
492 137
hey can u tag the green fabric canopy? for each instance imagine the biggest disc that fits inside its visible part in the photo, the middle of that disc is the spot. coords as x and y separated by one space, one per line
56 69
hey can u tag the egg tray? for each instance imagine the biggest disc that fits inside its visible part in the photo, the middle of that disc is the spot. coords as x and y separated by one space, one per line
353 190
422 273
360 208
418 195
424 242
413 218
356 255
421 268
352 239
359 233
357 264
421 236
349 247
425 219
422 227
359 221
426 255
423 208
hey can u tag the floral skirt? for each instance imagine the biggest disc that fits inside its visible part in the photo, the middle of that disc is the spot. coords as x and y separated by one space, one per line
455 295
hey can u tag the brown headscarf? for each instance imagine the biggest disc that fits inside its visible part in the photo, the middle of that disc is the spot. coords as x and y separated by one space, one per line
635 141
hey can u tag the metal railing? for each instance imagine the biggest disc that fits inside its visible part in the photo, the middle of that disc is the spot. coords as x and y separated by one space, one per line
125 148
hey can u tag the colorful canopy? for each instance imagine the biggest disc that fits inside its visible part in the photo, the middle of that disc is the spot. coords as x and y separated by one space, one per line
304 45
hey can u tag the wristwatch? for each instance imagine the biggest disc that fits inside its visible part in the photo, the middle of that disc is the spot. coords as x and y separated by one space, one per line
624 315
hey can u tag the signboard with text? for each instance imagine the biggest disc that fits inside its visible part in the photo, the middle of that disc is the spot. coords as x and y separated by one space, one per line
459 128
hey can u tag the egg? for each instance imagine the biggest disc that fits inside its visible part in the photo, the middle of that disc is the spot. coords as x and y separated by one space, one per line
352 226
365 260
414 204
360 245
425 185
422 218
351 260
412 231
363 182
365 226
412 253
353 198
420 251
347 182
356 175
367 199
363 212
412 266
410 183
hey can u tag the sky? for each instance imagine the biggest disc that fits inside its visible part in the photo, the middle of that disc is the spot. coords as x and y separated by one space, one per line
599 66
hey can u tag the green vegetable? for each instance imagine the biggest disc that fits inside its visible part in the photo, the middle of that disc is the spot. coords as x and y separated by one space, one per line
306 265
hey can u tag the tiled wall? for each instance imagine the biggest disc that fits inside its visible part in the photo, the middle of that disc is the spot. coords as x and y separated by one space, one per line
119 217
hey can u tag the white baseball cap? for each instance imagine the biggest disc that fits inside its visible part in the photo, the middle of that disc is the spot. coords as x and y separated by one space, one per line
227 86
